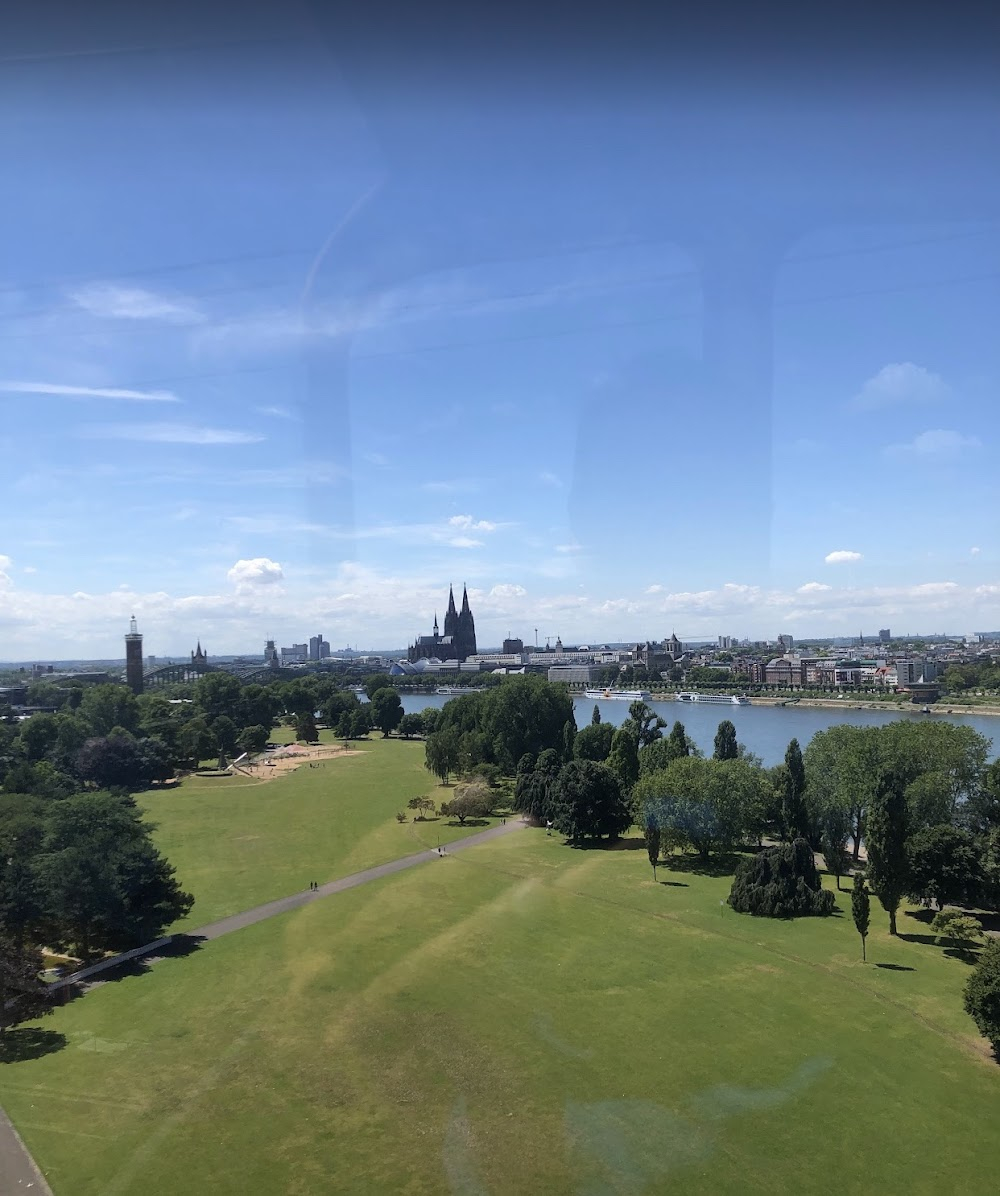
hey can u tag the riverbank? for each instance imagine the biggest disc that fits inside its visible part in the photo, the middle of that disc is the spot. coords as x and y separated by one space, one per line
940 707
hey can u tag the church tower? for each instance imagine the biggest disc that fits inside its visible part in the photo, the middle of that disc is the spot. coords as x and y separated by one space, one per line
133 658
466 628
199 656
451 615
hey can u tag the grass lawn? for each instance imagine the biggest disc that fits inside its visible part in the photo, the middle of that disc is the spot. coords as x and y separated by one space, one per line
523 1018
237 842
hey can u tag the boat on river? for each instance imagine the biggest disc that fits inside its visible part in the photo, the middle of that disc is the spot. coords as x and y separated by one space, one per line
618 695
712 699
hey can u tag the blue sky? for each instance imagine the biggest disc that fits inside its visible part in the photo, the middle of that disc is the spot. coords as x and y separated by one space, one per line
279 357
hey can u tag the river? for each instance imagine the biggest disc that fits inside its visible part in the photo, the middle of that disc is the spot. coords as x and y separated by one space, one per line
765 730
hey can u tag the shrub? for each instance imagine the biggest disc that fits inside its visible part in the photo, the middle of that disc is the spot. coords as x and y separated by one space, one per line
781 882
960 931
400 816
982 994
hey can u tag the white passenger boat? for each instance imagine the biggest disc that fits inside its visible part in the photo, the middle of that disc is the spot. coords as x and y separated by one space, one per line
713 699
618 695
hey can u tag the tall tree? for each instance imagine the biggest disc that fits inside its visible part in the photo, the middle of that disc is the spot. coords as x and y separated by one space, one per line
376 682
794 814
588 802
217 693
885 837
726 747
22 995
679 740
623 759
108 706
226 733
595 718
944 866
594 742
982 994
387 710
861 909
441 752
649 725
569 735
653 836
305 728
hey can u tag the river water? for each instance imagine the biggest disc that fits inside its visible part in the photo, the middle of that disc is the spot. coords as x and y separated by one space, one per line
765 730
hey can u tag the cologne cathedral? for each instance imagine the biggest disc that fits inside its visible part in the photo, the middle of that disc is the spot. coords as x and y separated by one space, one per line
458 640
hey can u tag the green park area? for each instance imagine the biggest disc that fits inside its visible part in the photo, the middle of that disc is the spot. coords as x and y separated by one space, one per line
520 1017
238 842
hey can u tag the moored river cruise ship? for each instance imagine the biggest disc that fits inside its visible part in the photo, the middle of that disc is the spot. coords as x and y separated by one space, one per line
714 699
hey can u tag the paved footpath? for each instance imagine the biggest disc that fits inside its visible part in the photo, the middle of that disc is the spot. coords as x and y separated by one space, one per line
18 1172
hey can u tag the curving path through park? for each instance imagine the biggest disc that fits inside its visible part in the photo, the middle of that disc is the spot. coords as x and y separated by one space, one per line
18 1170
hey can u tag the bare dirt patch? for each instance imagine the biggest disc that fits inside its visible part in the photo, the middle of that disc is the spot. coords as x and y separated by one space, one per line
294 755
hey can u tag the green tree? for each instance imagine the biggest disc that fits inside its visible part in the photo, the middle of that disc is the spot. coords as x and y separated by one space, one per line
112 761
253 740
652 834
410 725
595 718
680 744
593 742
885 837
217 694
305 728
861 909
107 887
258 706
588 803
38 736
982 994
22 994
649 725
569 735
471 801
387 710
726 747
105 707
842 764
226 734
712 805
195 742
943 866
376 682
833 856
794 814
441 753
960 931
780 882
623 759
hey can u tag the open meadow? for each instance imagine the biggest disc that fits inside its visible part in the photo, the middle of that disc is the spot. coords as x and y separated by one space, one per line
523 1017
237 842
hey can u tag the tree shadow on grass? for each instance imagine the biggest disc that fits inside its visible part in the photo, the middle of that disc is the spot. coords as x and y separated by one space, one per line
675 884
895 967
630 844
470 822
29 1042
180 946
696 865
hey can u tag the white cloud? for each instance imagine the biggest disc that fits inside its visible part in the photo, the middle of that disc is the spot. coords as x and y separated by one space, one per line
842 556
5 564
939 442
473 525
901 383
277 412
163 433
26 569
111 302
813 587
259 571
550 479
464 542
88 392
657 589
974 551
507 590
568 548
